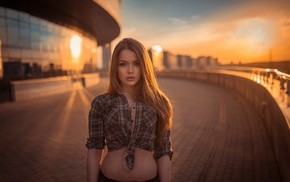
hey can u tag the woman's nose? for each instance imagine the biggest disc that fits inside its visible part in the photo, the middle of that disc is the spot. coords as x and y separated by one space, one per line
130 69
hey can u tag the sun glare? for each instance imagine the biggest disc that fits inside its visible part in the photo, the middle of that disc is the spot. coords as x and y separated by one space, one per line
157 48
253 36
157 57
75 46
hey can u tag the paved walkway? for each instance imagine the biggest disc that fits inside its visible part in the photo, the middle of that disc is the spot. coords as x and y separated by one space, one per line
216 137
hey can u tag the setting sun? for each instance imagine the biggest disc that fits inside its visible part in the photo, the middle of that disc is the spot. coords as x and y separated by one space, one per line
157 57
157 48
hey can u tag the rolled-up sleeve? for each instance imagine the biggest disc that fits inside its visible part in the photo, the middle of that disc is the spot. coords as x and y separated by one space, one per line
166 148
96 126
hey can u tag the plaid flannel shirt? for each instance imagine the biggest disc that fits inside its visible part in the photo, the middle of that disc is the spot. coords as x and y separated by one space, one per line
110 124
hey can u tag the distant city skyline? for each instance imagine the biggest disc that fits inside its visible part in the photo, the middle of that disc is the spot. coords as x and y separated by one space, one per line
241 31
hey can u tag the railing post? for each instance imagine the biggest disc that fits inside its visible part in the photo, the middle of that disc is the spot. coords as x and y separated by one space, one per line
282 84
288 87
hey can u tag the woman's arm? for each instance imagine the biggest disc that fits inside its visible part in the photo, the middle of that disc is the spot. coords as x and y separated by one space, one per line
93 164
164 155
164 168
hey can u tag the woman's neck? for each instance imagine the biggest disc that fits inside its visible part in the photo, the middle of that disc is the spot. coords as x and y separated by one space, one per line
129 93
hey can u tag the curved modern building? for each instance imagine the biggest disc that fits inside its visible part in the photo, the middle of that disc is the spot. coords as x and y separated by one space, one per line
44 38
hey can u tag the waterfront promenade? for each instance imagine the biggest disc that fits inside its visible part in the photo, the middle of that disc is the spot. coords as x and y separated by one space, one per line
217 136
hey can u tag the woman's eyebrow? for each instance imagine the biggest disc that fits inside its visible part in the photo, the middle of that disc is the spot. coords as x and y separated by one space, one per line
121 60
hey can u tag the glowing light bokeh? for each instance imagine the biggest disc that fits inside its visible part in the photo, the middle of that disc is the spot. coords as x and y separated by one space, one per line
157 48
75 46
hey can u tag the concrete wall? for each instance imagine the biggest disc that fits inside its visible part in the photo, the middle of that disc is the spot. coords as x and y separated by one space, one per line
31 89
261 99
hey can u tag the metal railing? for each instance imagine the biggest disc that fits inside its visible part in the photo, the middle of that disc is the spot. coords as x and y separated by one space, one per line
264 76
276 82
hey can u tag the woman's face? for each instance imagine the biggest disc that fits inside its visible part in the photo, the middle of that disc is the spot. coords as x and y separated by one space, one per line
129 69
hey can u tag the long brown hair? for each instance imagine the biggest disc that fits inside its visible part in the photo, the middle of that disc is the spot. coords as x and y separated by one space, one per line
147 88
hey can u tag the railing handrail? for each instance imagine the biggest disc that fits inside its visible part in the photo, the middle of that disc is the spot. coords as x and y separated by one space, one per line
256 69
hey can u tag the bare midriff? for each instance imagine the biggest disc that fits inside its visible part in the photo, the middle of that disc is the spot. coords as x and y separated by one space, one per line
145 166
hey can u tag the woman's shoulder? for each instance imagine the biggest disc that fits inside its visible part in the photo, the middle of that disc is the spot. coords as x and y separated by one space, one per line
104 101
102 98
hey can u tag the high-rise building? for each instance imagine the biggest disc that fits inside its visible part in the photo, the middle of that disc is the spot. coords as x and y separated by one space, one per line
44 38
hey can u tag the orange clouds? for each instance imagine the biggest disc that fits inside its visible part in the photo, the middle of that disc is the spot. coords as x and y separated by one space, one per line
245 40
243 32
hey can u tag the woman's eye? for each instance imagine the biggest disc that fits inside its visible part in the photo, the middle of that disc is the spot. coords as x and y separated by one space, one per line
122 64
137 63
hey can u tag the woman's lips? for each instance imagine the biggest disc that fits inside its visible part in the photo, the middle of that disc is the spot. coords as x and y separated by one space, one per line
130 78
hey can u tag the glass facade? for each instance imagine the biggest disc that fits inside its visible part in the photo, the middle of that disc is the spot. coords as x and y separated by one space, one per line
35 48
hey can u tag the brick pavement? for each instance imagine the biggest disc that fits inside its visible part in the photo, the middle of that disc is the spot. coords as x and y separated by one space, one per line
216 136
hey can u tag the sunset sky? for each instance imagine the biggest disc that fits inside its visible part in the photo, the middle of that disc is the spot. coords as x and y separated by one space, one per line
230 30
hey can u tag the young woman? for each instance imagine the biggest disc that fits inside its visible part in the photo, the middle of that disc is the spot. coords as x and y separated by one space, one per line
133 119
